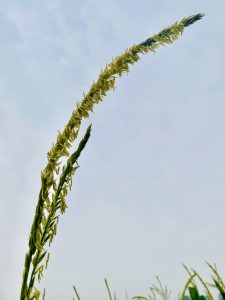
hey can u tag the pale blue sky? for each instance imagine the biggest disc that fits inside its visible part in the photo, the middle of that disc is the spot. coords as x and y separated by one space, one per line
150 191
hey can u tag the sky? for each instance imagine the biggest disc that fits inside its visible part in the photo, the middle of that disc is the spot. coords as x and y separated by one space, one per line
150 191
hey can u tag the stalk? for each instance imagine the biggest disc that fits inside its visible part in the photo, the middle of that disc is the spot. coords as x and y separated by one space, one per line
98 90
48 231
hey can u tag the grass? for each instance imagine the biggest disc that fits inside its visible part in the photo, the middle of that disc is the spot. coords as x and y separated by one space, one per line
190 291
56 179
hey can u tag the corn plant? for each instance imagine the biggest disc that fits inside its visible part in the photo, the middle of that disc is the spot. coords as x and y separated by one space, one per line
191 287
56 179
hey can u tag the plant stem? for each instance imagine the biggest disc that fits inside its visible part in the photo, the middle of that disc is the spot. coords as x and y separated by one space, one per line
95 95
71 161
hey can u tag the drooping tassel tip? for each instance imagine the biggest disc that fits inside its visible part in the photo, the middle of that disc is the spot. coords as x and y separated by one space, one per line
193 19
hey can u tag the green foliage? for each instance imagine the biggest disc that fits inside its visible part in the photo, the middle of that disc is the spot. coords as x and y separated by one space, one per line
53 191
154 291
48 228
190 286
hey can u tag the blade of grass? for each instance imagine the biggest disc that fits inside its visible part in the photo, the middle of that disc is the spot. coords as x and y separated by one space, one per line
76 292
108 289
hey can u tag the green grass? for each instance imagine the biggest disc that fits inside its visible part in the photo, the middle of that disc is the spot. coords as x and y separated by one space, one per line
56 179
190 290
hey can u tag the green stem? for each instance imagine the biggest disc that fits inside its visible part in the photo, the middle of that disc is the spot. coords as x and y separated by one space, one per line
31 251
70 162
98 90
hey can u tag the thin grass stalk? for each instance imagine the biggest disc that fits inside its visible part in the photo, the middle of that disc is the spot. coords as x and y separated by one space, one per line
163 293
108 289
216 273
189 273
140 298
76 292
186 285
203 283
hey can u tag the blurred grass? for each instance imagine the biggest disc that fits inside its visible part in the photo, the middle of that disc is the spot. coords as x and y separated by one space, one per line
190 290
